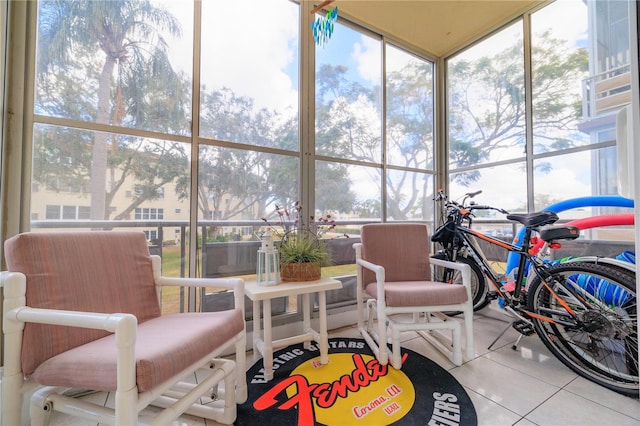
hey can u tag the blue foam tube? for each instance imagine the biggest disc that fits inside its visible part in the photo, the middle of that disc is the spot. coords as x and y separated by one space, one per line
573 203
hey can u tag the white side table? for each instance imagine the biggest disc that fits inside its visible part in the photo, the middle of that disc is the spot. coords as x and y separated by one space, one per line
263 342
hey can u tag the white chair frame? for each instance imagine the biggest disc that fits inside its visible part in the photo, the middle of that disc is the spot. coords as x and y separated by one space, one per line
175 396
377 337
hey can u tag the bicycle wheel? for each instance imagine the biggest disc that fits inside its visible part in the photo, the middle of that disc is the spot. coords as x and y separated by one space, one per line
478 282
587 317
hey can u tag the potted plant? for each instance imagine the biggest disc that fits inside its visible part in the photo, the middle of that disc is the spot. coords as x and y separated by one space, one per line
302 251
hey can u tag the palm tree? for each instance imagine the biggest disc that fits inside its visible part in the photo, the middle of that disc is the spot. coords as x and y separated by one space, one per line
130 33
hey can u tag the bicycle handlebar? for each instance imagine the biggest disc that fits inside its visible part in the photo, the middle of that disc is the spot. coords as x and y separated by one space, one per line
482 207
441 196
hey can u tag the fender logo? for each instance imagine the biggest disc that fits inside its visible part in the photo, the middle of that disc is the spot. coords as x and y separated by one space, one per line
325 394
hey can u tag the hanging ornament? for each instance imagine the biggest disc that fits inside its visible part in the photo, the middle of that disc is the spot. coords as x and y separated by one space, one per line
323 27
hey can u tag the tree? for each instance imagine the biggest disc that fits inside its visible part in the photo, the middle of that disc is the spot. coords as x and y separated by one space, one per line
242 183
410 140
351 128
486 102
130 34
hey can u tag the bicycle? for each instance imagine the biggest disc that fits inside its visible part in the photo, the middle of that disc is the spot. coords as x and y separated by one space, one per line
583 310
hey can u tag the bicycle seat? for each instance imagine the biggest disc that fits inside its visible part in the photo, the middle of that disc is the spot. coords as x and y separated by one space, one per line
531 220
559 232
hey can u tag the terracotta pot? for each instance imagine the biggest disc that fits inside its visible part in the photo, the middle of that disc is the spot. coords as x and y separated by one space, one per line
304 271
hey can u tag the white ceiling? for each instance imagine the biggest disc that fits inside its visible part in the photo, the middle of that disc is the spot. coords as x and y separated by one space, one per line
439 27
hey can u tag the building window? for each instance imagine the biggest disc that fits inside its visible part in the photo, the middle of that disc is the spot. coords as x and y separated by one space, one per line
151 235
52 212
69 212
149 214
56 212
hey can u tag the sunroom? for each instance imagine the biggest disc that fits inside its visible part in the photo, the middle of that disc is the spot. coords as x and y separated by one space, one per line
198 123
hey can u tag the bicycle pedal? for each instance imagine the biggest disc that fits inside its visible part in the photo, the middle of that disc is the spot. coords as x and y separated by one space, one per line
492 295
523 327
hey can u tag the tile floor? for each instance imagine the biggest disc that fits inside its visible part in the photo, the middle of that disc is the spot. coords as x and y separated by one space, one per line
524 387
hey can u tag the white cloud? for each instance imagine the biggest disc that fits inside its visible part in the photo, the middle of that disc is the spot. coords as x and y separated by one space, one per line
368 56
244 50
567 20
506 187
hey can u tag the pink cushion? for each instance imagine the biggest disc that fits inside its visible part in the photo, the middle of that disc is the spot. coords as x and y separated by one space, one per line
419 293
402 248
101 271
164 346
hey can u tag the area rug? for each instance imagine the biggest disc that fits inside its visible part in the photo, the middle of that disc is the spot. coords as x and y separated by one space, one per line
353 389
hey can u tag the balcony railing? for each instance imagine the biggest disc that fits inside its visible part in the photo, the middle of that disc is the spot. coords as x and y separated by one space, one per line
606 92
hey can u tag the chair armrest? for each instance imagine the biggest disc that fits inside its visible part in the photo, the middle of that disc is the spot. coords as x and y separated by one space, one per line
99 321
235 284
15 285
464 269
380 277
371 266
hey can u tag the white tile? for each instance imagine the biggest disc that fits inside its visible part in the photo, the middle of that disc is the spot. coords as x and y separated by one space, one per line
534 359
566 408
599 394
491 414
508 387
199 375
98 398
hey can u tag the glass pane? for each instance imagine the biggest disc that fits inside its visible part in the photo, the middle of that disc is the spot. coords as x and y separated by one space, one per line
136 171
561 178
582 175
132 70
486 101
503 186
348 106
239 185
348 191
249 73
569 176
409 110
560 66
409 196
131 171
236 189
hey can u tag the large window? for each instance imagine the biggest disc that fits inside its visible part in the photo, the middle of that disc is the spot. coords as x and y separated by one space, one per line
353 177
487 120
349 124
119 130
561 145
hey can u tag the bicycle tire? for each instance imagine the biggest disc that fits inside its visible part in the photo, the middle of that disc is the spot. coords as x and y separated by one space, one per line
602 345
478 281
